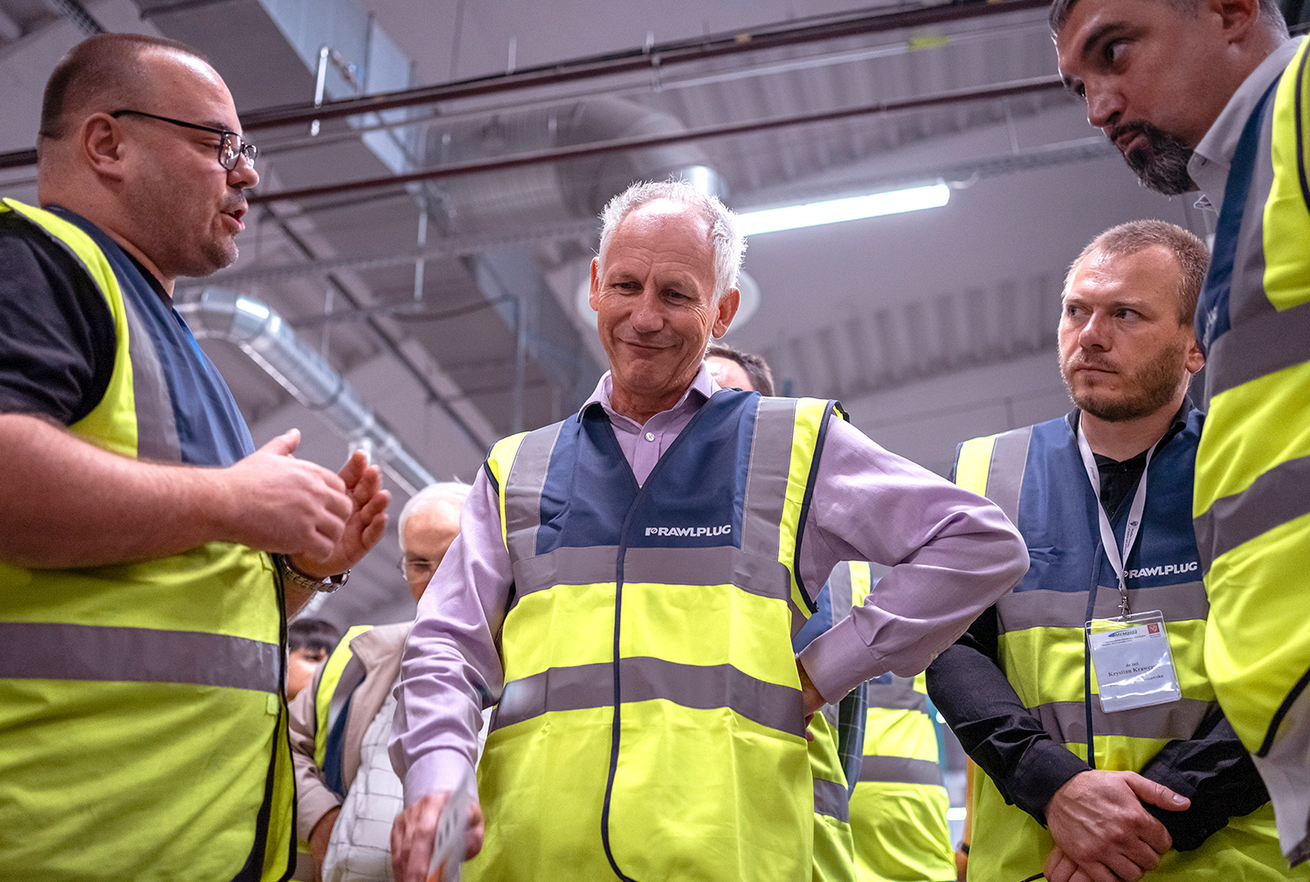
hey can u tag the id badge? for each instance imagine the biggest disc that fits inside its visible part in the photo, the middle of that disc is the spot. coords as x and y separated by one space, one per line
1134 665
448 839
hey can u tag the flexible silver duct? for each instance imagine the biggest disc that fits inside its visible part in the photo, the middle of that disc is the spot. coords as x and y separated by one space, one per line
274 346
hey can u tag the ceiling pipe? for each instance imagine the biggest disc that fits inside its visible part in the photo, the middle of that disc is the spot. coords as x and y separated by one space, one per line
645 142
653 57
272 344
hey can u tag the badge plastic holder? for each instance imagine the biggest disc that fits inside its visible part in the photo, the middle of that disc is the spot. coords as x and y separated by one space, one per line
1133 662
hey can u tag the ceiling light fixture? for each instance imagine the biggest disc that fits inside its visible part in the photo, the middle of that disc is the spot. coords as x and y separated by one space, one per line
793 217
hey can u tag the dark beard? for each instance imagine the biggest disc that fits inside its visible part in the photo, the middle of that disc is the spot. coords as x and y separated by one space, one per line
1153 387
1162 165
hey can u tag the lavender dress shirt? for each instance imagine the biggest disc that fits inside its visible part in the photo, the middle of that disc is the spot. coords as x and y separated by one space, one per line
951 553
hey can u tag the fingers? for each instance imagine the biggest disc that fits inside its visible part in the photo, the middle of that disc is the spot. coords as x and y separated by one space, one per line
1156 794
476 832
1059 867
284 444
412 834
355 468
1155 834
1099 823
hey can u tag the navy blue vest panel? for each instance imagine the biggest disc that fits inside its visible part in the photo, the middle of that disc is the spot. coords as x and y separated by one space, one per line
1212 318
210 428
694 497
1057 508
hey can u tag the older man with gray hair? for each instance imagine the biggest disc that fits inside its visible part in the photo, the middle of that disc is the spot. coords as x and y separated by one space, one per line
626 585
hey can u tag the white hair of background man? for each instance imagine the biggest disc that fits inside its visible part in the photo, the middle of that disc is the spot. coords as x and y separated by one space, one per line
453 491
729 243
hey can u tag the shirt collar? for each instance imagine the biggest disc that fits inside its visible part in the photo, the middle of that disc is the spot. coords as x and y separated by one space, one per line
1177 425
1210 161
701 389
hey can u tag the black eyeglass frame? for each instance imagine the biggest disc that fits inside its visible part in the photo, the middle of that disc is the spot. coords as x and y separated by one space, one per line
230 149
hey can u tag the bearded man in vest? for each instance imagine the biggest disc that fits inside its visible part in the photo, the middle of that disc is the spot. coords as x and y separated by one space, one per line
1083 694
627 582
1212 95
142 618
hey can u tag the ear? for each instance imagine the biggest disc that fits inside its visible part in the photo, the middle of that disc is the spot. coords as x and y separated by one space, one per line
1237 17
101 144
593 296
1195 360
727 310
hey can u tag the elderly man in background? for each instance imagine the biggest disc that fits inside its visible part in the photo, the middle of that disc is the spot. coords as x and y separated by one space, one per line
339 727
142 617
1114 761
627 582
1213 95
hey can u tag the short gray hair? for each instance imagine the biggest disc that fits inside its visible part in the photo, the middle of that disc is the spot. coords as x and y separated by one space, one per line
1270 13
729 242
454 492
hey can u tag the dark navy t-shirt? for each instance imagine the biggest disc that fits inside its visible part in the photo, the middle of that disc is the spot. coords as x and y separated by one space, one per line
57 344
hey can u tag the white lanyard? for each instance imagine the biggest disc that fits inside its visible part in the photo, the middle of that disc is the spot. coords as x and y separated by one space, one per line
1132 530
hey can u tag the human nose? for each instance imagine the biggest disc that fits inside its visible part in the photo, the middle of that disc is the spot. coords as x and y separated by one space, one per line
647 315
1104 105
1094 334
243 174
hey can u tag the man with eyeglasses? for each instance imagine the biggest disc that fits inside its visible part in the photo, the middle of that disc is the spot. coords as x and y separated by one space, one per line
148 551
346 792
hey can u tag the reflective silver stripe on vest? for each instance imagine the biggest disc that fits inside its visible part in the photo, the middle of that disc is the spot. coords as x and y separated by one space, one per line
156 423
1067 721
644 679
522 493
899 694
1005 471
1261 345
775 423
1045 608
900 770
841 593
832 799
688 566
1274 498
45 651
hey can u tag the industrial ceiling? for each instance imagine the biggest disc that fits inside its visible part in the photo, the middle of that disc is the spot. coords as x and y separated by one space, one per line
432 171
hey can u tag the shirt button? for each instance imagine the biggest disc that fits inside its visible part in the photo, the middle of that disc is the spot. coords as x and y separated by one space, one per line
650 436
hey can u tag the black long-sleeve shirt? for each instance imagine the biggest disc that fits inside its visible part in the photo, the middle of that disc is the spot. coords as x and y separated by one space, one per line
1211 768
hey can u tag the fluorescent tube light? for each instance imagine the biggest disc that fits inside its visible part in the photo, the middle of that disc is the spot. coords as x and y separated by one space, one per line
834 210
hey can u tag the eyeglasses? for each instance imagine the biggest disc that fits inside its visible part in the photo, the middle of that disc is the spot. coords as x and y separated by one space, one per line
418 567
231 148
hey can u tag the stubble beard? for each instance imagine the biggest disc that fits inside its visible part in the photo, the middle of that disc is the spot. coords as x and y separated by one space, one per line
1162 165
1140 395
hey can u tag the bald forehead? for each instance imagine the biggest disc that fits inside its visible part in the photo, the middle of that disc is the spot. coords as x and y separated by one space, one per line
106 77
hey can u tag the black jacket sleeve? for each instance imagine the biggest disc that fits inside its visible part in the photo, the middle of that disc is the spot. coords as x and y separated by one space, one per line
1211 768
993 725
1215 772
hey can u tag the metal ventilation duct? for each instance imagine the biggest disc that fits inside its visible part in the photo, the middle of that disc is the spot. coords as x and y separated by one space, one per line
274 346
550 193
